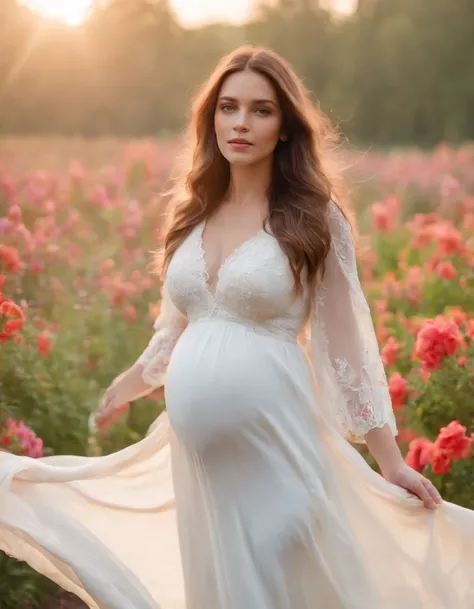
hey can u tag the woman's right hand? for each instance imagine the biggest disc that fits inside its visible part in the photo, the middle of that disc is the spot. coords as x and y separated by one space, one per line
110 410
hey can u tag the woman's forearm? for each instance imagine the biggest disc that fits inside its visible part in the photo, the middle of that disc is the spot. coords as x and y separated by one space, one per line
130 385
384 448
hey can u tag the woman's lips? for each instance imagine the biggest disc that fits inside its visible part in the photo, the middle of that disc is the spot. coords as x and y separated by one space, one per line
239 145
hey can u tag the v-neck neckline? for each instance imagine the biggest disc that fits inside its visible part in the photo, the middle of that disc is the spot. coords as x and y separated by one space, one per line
203 253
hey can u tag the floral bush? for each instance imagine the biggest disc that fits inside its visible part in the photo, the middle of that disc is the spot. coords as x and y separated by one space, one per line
418 270
77 302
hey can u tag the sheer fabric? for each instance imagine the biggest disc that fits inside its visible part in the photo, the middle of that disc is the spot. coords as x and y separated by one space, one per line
344 346
168 326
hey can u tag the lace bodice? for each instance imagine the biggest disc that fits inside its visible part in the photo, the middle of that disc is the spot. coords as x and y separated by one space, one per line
254 287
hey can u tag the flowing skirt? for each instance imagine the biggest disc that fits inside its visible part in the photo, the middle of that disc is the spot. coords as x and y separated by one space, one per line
241 496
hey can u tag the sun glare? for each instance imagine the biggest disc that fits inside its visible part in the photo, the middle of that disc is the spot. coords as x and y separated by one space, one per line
71 12
189 12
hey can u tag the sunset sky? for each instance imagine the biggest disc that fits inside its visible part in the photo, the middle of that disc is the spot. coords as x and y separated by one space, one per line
189 12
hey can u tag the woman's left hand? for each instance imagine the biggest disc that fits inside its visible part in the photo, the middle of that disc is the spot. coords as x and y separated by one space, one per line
406 477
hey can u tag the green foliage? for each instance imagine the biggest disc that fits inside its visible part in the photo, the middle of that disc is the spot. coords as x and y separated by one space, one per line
446 397
20 586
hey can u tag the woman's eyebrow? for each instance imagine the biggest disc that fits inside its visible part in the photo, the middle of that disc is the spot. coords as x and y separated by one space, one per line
255 101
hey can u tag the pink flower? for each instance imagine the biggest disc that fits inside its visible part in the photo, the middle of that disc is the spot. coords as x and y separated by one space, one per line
446 270
14 214
470 329
20 439
398 389
450 240
36 267
456 313
33 446
381 217
385 214
413 284
389 352
437 338
12 425
130 313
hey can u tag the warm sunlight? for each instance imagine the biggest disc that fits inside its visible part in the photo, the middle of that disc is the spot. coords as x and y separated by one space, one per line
189 12
71 12
196 12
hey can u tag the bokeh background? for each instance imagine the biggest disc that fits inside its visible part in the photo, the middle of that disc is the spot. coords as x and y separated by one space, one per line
391 71
94 97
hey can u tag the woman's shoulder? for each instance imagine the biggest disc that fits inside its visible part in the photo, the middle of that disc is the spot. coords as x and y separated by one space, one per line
337 216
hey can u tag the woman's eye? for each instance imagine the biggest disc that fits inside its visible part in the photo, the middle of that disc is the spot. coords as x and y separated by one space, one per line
226 107
264 111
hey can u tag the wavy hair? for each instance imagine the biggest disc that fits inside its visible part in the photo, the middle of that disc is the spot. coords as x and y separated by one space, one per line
305 176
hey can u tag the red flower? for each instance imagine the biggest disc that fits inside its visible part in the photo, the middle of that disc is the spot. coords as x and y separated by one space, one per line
12 310
9 257
437 339
15 318
419 453
452 440
43 344
5 440
440 462
398 388
12 327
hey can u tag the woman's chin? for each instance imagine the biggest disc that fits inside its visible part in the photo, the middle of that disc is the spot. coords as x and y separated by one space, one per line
242 159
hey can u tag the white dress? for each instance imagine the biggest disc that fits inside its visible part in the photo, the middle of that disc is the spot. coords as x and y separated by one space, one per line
245 494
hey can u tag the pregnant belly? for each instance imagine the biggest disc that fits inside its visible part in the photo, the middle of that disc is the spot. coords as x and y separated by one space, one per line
223 377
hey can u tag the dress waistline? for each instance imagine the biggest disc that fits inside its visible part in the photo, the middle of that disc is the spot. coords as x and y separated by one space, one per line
273 332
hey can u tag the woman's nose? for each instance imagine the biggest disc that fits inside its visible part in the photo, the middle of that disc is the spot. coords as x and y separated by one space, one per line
241 122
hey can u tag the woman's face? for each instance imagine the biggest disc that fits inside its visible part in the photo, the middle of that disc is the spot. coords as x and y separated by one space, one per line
247 119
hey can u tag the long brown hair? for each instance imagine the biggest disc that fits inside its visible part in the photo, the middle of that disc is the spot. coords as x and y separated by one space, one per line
304 177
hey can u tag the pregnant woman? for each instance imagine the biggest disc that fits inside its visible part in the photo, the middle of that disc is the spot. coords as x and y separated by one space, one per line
247 493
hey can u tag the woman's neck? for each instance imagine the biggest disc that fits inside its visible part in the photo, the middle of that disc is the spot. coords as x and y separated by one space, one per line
249 184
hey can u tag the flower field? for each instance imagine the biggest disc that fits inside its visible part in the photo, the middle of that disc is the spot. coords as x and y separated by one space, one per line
77 223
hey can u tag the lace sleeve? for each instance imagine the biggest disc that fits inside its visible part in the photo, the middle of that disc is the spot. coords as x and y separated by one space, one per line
344 348
168 326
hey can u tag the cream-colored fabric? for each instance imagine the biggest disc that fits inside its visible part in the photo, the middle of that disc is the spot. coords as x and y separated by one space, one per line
244 494
168 326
